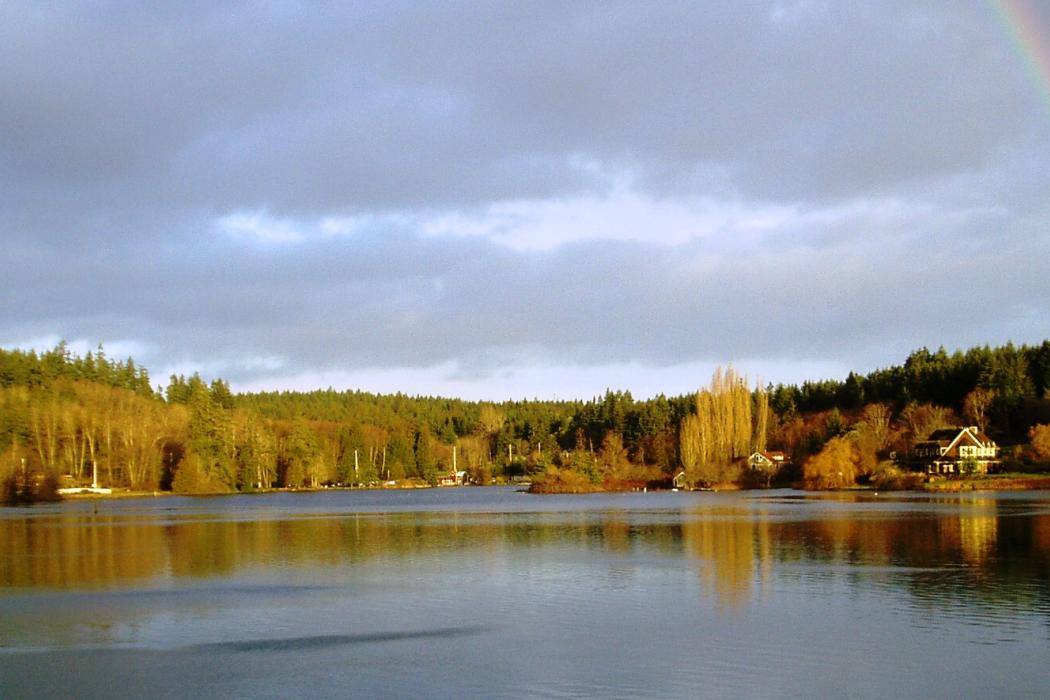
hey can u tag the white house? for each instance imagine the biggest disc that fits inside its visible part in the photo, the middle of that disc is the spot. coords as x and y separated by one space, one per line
956 451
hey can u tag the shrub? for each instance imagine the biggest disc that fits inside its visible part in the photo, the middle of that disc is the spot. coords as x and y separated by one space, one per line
888 477
834 467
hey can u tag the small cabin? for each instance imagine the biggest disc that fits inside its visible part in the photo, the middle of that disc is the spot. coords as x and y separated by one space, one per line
766 461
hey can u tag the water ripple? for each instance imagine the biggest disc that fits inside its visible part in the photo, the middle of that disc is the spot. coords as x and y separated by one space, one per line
334 640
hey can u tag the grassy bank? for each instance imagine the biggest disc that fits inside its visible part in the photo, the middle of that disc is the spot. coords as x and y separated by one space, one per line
992 482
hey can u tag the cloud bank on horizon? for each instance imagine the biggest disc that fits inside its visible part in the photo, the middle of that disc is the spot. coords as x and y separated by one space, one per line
497 200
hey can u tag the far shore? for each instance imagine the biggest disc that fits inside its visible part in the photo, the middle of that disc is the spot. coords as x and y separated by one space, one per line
1004 482
992 482
129 493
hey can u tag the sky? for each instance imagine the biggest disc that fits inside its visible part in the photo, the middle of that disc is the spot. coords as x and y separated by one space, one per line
498 200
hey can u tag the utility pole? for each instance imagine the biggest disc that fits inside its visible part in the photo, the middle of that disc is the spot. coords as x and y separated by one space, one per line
355 465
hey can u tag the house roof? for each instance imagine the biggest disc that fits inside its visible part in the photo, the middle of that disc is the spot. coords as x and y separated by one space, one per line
949 437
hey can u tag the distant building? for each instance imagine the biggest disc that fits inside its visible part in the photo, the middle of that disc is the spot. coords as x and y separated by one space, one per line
680 481
954 451
765 466
457 478
765 461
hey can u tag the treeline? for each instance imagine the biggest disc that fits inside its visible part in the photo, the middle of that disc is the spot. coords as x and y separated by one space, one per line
68 417
36 371
1015 379
843 432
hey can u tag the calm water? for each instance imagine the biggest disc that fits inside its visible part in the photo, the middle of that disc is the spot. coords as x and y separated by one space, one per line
494 593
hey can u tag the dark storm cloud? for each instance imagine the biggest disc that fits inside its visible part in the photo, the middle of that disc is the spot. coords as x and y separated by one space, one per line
315 108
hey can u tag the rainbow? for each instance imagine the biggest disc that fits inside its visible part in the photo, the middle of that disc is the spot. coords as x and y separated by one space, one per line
1031 36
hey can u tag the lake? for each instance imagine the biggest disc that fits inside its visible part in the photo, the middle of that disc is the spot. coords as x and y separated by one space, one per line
488 592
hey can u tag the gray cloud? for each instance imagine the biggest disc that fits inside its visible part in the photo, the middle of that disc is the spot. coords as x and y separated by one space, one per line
317 108
130 132
390 300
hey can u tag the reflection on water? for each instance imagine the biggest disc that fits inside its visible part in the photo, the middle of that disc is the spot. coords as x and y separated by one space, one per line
978 524
605 593
737 543
731 547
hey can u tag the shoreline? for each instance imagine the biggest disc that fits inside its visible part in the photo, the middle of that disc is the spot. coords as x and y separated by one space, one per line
127 493
1008 482
1005 483
1038 482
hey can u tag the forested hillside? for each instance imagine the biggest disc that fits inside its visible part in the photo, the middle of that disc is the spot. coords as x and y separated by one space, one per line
61 415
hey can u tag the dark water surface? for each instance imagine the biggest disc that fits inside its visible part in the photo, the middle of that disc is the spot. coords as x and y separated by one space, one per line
493 593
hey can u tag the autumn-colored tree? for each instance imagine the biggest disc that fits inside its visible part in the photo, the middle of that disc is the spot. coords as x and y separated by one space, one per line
193 477
473 451
141 435
690 443
790 435
490 423
920 420
613 455
1039 436
834 467
720 428
46 417
976 405
874 424
761 413
74 441
870 435
303 457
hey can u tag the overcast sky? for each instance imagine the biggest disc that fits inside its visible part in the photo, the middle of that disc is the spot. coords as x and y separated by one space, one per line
521 199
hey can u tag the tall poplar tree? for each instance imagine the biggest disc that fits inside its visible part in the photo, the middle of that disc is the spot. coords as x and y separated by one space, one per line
720 429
